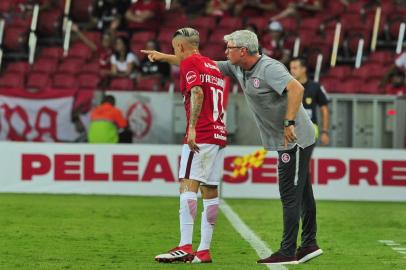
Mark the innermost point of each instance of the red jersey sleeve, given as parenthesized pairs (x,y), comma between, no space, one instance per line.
(190,74)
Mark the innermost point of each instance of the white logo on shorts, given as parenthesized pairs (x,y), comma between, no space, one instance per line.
(256,82)
(191,77)
(285,157)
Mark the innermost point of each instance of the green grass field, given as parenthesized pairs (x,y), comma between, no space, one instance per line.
(113,232)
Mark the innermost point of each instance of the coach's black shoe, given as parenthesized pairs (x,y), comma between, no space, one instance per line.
(278,258)
(307,253)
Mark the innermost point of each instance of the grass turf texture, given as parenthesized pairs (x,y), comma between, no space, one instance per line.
(113,232)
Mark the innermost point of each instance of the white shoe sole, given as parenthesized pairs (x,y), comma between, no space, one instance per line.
(291,262)
(310,256)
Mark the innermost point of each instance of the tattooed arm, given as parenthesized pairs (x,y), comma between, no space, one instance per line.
(196,102)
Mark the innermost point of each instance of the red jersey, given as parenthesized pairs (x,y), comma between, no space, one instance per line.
(197,70)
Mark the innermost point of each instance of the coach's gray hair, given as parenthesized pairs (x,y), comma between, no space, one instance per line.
(190,34)
(244,38)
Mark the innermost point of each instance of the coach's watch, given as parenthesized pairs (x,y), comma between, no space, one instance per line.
(287,123)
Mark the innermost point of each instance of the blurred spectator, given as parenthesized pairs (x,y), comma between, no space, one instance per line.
(277,47)
(123,61)
(26,6)
(107,14)
(396,76)
(257,8)
(143,15)
(193,8)
(103,52)
(105,122)
(160,70)
(222,8)
(300,9)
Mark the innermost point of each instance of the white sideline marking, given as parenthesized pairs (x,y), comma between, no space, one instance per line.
(260,247)
(397,249)
(400,250)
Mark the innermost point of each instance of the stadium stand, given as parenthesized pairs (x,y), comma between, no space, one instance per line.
(316,34)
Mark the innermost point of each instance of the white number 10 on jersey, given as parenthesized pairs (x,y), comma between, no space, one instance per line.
(218,111)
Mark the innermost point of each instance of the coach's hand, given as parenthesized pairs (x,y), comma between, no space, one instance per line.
(153,55)
(191,140)
(290,135)
(324,138)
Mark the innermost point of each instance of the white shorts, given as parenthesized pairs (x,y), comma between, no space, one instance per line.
(205,166)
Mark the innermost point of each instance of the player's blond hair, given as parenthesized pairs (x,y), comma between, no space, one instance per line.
(191,35)
(244,38)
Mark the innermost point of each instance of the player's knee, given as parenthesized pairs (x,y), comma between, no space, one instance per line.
(209,192)
(187,185)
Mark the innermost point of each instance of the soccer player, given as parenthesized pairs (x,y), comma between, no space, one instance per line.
(202,157)
(314,96)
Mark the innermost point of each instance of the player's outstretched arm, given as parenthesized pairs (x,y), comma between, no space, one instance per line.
(163,57)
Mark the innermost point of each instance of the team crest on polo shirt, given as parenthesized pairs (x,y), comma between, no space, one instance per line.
(285,157)
(255,82)
(191,77)
(308,100)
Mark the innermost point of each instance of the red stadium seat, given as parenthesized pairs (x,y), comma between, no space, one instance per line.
(121,84)
(50,22)
(371,87)
(260,22)
(230,23)
(37,81)
(215,51)
(353,40)
(340,72)
(64,81)
(80,50)
(24,22)
(312,55)
(151,84)
(394,27)
(382,57)
(90,68)
(350,86)
(52,52)
(19,67)
(15,38)
(331,84)
(165,35)
(45,65)
(94,36)
(218,35)
(203,22)
(80,10)
(376,72)
(12,80)
(310,24)
(175,20)
(289,25)
(142,37)
(5,6)
(88,81)
(70,65)
(335,8)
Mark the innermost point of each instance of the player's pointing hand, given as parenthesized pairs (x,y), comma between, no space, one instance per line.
(152,55)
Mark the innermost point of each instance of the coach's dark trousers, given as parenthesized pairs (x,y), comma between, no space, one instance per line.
(297,198)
